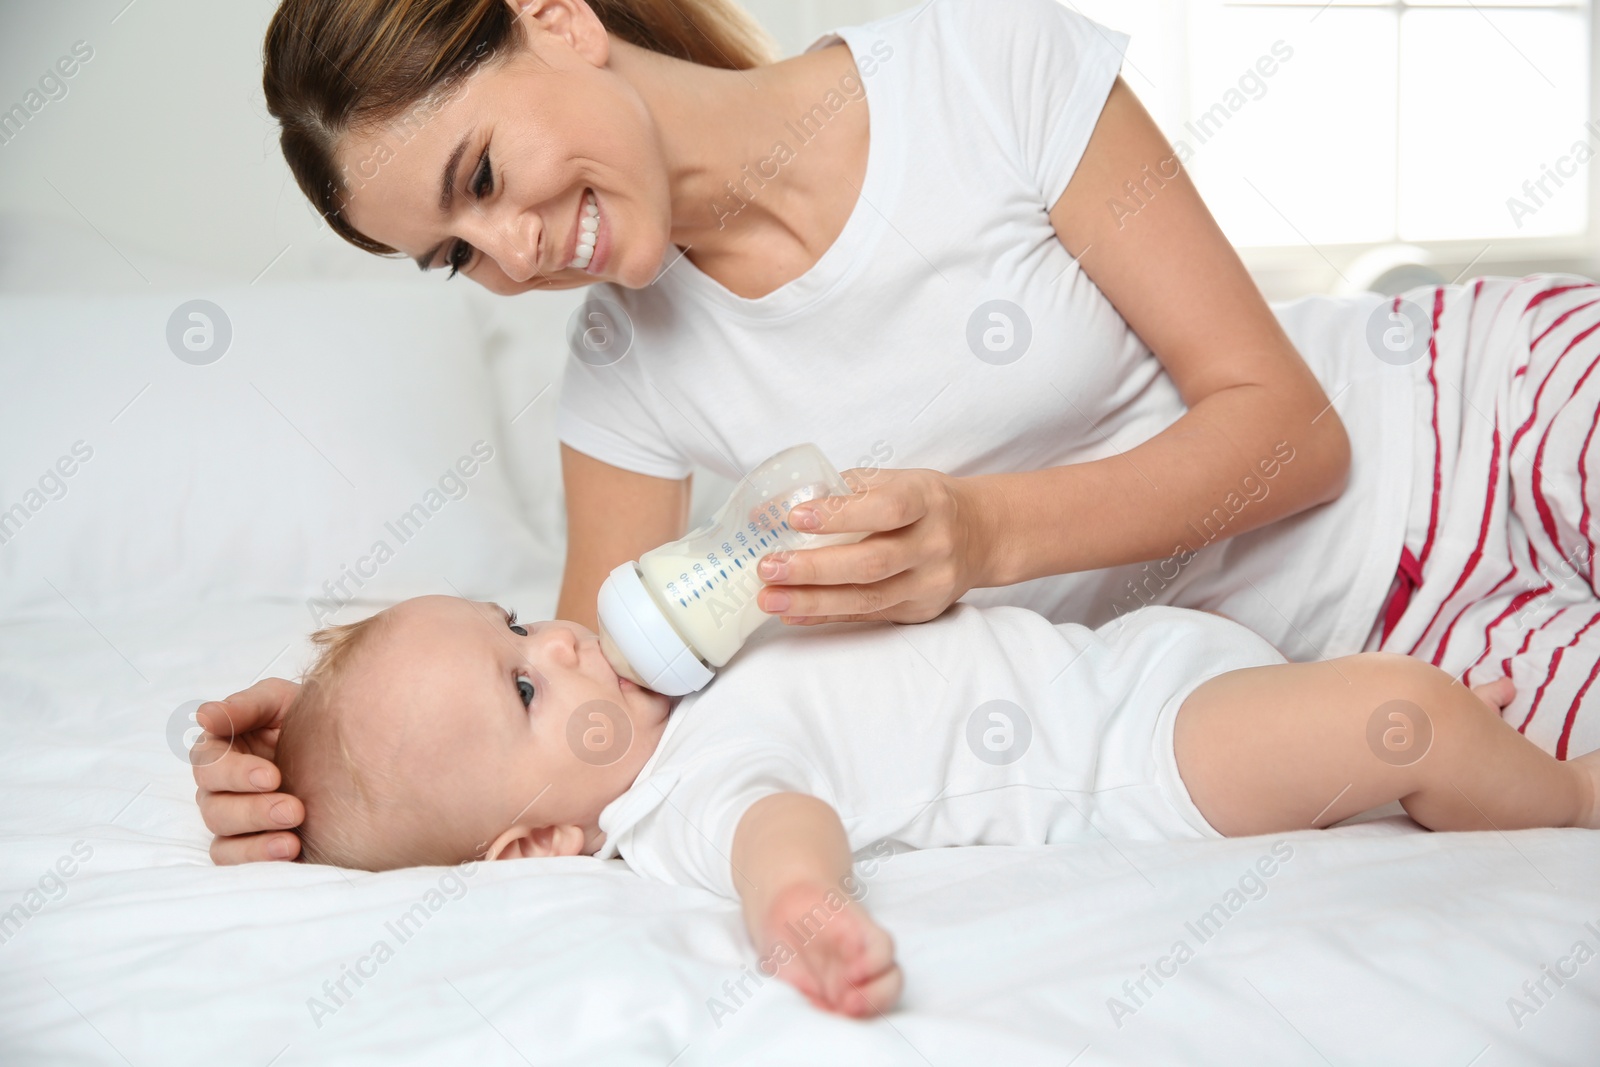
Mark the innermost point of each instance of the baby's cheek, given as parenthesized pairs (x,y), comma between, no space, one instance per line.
(599,733)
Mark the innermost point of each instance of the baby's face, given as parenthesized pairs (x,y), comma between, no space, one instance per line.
(491,728)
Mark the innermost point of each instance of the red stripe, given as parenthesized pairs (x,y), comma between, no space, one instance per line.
(1540,298)
(1438,450)
(1444,642)
(1477,551)
(1583,491)
(1563,317)
(1505,664)
(1572,712)
(1516,602)
(1555,664)
(1546,516)
(1539,395)
(1520,599)
(1408,579)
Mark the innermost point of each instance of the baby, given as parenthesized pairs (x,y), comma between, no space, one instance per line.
(442,729)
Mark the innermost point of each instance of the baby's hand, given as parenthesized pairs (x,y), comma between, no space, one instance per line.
(840,959)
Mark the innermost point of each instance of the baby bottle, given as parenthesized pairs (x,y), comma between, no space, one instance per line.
(671,618)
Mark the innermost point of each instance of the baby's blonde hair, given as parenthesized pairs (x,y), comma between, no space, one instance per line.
(314,758)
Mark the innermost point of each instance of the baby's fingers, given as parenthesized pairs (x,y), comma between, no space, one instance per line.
(1497,694)
(872,955)
(878,995)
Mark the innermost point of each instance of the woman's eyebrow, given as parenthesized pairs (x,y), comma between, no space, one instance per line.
(447,179)
(447,192)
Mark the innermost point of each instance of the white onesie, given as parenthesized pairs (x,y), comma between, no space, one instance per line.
(985,726)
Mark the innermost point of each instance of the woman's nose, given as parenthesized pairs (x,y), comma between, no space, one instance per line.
(512,241)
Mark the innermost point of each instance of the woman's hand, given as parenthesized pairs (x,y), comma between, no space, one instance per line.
(932,540)
(234,770)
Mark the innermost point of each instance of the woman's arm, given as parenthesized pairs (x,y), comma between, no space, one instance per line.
(1172,275)
(613,515)
(791,865)
(1260,440)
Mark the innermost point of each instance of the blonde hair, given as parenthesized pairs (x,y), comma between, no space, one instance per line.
(335,66)
(313,755)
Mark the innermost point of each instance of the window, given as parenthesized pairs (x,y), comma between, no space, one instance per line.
(1439,123)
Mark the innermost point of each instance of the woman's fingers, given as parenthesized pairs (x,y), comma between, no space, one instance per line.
(254,848)
(883,500)
(872,559)
(228,814)
(920,555)
(901,598)
(223,768)
(263,704)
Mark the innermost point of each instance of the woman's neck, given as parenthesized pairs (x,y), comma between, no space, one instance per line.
(731,189)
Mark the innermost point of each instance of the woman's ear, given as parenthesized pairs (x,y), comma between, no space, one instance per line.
(520,842)
(574,22)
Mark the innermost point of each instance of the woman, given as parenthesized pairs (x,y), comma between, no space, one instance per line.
(950,246)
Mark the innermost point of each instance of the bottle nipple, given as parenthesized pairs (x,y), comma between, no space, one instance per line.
(618,661)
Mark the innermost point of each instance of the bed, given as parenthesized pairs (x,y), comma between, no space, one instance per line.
(228,503)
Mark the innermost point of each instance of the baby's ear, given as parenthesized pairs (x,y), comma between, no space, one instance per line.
(520,842)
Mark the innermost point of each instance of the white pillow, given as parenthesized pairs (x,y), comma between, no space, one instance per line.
(314,441)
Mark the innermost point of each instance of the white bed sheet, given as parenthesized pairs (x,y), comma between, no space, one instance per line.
(1375,943)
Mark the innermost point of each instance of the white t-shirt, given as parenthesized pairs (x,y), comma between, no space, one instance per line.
(888,353)
(985,726)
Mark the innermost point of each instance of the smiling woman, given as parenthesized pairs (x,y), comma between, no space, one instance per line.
(372,96)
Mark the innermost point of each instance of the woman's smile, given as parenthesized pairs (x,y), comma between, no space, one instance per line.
(585,232)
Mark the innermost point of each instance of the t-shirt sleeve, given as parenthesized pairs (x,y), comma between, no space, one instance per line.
(1049,70)
(603,410)
(687,839)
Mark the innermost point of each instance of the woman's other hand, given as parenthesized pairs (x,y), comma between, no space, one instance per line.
(931,537)
(233,768)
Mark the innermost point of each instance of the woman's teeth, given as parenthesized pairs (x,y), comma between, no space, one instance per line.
(590,225)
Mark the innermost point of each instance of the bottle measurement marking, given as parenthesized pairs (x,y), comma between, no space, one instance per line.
(710,583)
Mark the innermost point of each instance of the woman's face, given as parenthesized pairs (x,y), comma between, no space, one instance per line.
(536,131)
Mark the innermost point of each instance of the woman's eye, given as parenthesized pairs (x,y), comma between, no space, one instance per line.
(483,181)
(460,256)
(525,690)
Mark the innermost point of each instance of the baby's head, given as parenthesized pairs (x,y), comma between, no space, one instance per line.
(440,730)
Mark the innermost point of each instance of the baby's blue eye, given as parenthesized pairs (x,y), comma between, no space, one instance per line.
(525,689)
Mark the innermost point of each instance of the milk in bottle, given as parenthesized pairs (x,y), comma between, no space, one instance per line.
(670,619)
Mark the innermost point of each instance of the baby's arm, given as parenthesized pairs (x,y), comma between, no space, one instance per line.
(791,865)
